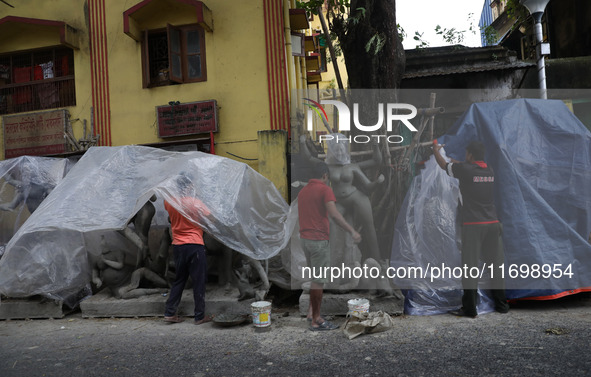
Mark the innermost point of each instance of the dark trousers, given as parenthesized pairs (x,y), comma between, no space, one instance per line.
(483,241)
(189,260)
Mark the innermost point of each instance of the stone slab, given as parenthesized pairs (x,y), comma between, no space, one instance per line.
(217,301)
(30,308)
(336,304)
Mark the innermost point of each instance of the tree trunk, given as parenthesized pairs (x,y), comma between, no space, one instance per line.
(375,66)
(371,70)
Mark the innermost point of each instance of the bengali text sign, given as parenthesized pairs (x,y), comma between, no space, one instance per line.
(187,118)
(34,134)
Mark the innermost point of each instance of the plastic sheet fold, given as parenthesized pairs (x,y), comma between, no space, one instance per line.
(106,188)
(541,154)
(426,237)
(24,183)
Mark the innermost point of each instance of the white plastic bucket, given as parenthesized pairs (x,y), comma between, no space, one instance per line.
(261,313)
(358,306)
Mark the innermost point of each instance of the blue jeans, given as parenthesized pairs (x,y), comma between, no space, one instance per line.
(189,260)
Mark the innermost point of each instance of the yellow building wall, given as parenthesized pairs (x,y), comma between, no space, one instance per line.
(272,158)
(236,72)
(329,77)
(236,78)
(19,39)
(324,88)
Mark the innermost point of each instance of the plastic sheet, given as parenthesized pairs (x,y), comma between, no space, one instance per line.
(338,150)
(24,183)
(541,154)
(426,235)
(49,253)
(425,231)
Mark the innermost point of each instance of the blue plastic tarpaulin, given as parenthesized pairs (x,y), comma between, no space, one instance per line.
(541,155)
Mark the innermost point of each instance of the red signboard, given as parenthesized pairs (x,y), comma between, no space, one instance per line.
(34,134)
(187,118)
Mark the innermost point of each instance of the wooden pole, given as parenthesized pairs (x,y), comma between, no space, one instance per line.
(333,55)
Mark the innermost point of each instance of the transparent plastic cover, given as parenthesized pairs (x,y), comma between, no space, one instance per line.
(103,191)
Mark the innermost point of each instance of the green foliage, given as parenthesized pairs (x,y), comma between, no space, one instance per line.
(401,32)
(375,44)
(516,10)
(361,12)
(336,46)
(312,6)
(472,27)
(491,36)
(338,51)
(354,19)
(421,42)
(339,9)
(452,36)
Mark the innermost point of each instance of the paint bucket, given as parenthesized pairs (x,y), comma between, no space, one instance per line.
(261,313)
(358,306)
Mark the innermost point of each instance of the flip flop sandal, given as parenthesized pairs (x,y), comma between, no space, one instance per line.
(203,320)
(325,326)
(173,319)
(310,319)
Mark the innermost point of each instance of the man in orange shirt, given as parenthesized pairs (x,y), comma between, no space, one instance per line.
(188,250)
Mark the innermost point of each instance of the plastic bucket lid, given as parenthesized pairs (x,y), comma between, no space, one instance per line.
(359,305)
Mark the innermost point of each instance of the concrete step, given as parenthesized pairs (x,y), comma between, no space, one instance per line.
(30,308)
(217,300)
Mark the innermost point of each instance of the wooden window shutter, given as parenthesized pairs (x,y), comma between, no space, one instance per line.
(146,59)
(174,54)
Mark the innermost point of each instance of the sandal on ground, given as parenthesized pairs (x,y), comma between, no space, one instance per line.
(173,319)
(310,319)
(324,326)
(203,320)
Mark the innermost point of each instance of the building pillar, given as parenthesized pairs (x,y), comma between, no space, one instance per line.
(273,158)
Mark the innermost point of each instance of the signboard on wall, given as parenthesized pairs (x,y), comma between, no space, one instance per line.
(34,134)
(187,118)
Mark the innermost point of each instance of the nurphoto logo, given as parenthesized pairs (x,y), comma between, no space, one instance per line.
(389,116)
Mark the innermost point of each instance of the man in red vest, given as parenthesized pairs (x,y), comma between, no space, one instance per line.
(316,202)
(481,229)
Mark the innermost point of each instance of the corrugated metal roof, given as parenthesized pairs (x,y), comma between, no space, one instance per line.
(466,68)
(448,60)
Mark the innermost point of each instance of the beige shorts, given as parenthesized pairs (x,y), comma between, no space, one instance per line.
(318,258)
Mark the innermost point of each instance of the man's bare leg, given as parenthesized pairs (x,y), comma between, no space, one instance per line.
(315,303)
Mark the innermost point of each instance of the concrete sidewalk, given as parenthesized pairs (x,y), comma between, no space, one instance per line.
(533,339)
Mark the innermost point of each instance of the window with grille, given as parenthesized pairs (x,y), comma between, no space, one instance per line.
(174,55)
(37,80)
